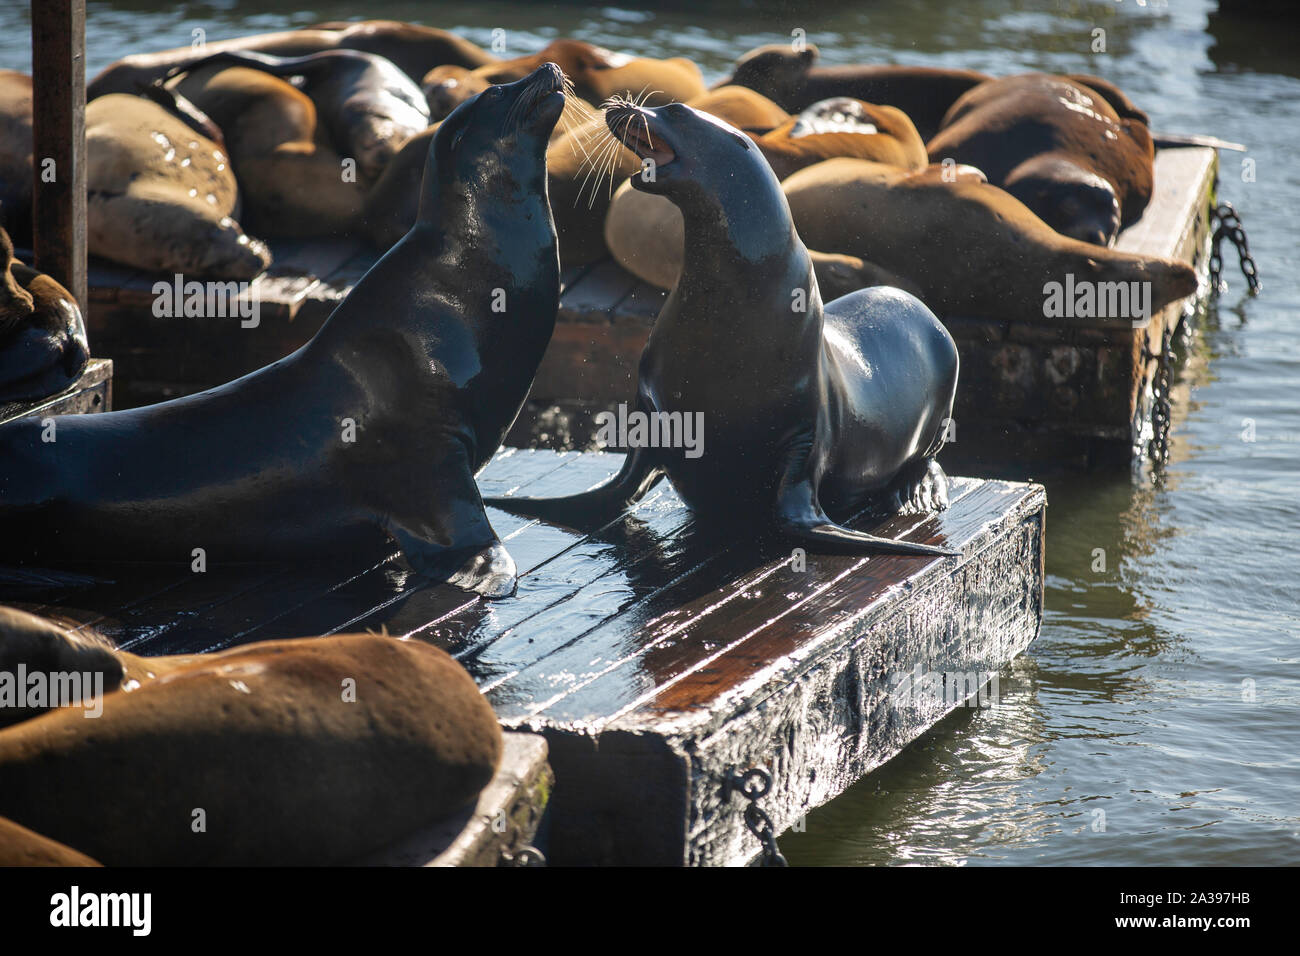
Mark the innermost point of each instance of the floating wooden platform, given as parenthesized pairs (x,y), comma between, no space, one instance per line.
(92,392)
(654,658)
(1030,395)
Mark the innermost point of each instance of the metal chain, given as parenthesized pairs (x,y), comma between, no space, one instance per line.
(753,785)
(1162,404)
(523,856)
(1229,224)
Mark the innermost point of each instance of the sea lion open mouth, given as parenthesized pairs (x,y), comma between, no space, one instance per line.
(631,126)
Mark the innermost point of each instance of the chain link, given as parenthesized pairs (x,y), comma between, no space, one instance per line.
(1229,225)
(1162,403)
(753,785)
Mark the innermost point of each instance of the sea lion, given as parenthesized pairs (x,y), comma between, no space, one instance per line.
(43,346)
(596,74)
(973,249)
(790,78)
(162,197)
(811,413)
(311,751)
(415,49)
(20,846)
(843,126)
(367,104)
(373,429)
(1056,145)
(290,175)
(645,235)
(16,169)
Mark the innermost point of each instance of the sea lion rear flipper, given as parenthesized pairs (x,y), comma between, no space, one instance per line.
(596,507)
(800,519)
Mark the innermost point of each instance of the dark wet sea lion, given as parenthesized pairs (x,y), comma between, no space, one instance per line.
(789,77)
(373,429)
(596,73)
(20,846)
(43,347)
(973,249)
(1059,147)
(367,104)
(162,197)
(415,49)
(809,413)
(290,175)
(267,747)
(16,168)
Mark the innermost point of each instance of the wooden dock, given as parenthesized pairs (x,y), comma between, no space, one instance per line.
(656,660)
(1030,395)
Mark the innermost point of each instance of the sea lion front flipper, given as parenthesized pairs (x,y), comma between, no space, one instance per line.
(595,507)
(455,542)
(800,519)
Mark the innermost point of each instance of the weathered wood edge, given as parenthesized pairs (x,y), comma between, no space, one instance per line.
(505,818)
(92,392)
(830,723)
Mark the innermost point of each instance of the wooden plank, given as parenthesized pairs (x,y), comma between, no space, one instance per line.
(59,135)
(92,392)
(502,823)
(596,295)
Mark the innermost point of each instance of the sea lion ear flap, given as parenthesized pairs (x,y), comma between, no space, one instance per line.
(809,54)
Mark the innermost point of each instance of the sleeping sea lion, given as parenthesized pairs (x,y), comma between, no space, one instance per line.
(162,197)
(1056,145)
(973,249)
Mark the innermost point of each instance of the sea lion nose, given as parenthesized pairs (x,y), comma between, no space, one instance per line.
(549,73)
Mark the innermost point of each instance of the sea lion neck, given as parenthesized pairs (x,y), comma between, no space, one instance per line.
(740,224)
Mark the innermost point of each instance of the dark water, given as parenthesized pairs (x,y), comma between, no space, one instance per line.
(1157,718)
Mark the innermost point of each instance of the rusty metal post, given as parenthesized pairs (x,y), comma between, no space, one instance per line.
(59,135)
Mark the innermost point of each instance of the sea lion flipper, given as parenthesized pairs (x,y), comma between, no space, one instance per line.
(801,519)
(454,541)
(599,505)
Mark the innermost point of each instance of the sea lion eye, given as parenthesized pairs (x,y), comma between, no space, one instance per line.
(459,135)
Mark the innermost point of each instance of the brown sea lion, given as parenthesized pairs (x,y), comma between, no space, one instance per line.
(645,235)
(43,346)
(789,77)
(16,167)
(20,846)
(973,249)
(413,48)
(291,177)
(843,127)
(162,197)
(596,74)
(296,752)
(1056,145)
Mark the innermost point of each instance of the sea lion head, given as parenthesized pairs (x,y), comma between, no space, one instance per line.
(447,86)
(1072,200)
(775,70)
(684,152)
(482,143)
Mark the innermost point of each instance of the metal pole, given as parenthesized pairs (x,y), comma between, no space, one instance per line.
(59,136)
